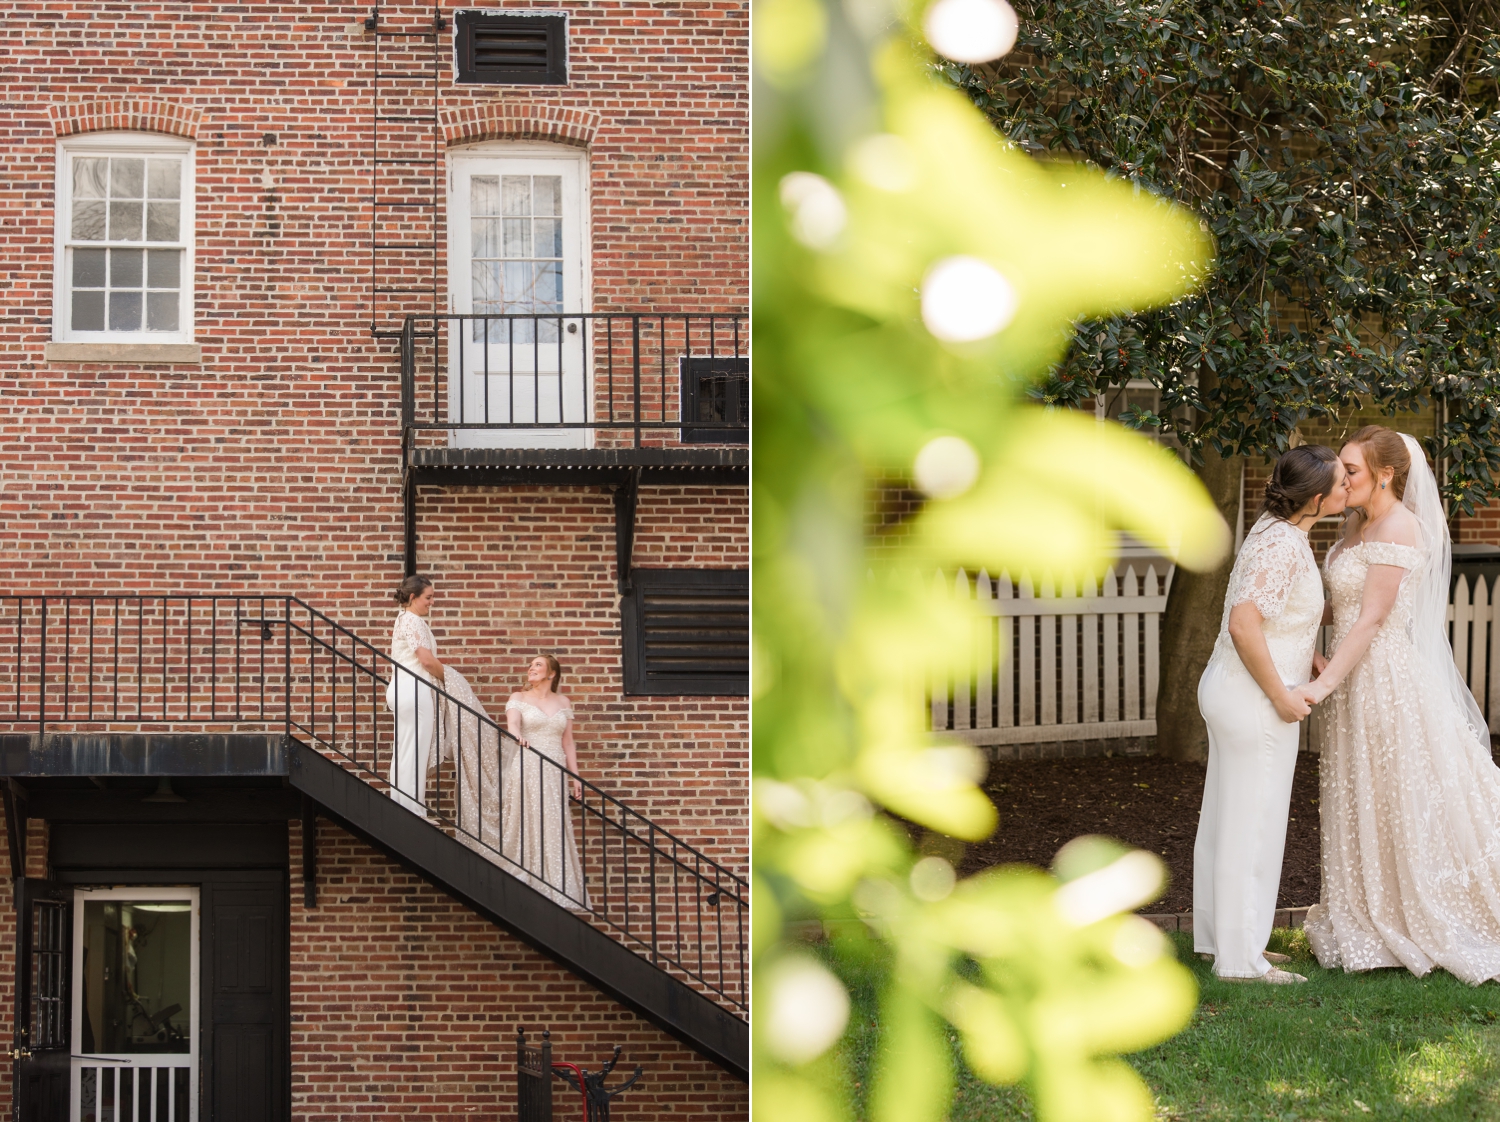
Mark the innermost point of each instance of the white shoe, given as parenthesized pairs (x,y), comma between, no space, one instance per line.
(1272,977)
(1273,958)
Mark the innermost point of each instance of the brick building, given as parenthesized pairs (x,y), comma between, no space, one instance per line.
(302,300)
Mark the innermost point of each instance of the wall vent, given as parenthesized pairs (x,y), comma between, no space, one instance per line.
(687,632)
(511,50)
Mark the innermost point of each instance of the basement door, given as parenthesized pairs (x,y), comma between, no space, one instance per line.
(516,243)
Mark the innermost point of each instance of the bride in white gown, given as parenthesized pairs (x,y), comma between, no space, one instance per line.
(1410,797)
(536,818)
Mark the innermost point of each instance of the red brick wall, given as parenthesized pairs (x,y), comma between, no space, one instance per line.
(274,465)
(405,1004)
(1481,528)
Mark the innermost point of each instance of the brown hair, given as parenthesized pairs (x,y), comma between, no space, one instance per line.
(556,668)
(410,589)
(1299,476)
(1383,448)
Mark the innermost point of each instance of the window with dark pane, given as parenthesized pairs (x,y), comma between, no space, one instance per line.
(715,400)
(125,245)
(516,250)
(511,49)
(687,632)
(49,966)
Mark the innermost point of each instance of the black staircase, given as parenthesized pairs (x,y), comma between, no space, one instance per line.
(269,685)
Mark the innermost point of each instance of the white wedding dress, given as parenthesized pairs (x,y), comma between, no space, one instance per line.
(536,819)
(1410,798)
(1252,752)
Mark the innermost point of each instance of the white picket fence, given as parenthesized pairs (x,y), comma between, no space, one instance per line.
(1068,660)
(1076,660)
(1473,614)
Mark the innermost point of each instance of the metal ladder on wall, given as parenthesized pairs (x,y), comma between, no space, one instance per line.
(406,172)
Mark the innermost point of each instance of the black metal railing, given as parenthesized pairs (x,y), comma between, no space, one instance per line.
(610,380)
(233,663)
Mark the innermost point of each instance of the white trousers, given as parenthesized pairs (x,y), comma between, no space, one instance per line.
(413,702)
(1252,754)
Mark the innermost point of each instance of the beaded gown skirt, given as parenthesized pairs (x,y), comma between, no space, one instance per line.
(1410,803)
(513,802)
(536,829)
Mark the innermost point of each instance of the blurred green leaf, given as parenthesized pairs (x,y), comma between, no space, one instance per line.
(915,278)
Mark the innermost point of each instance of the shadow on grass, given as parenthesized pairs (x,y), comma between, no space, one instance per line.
(1363,1047)
(1380,1045)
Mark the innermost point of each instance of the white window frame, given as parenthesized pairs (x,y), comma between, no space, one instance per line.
(142,894)
(497,154)
(118,144)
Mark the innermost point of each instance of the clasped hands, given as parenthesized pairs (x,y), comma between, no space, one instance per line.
(1298,701)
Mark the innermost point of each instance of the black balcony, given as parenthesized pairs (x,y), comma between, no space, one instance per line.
(609,399)
(587,389)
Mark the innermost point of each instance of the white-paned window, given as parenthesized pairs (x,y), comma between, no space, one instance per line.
(124,262)
(516,250)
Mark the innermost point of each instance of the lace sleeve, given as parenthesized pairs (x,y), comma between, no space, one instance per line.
(1267,568)
(512,704)
(1393,553)
(408,630)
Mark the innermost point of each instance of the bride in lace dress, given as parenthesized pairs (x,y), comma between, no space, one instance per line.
(536,820)
(1246,695)
(1410,798)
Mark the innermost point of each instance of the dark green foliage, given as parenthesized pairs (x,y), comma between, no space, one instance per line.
(1345,157)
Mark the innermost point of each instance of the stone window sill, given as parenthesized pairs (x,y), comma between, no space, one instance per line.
(124,352)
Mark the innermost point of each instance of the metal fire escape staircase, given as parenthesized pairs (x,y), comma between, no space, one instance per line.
(261,689)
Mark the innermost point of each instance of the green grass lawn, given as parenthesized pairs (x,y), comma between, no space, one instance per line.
(1382,1045)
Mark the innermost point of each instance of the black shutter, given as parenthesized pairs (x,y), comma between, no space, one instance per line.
(44,1007)
(511,50)
(715,400)
(687,632)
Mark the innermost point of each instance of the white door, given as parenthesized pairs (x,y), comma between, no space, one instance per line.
(135,1005)
(517,248)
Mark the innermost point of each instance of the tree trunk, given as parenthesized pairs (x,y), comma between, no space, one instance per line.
(1191,624)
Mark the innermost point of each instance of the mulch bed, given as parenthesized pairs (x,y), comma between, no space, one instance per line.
(1144,801)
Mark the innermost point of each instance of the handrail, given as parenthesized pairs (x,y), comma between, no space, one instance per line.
(172,660)
(611,377)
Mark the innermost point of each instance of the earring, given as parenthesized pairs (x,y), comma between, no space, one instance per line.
(1382,486)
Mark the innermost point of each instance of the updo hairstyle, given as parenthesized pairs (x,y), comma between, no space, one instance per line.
(1301,474)
(410,589)
(1384,448)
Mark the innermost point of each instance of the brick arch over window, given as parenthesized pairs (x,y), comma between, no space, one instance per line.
(136,114)
(501,121)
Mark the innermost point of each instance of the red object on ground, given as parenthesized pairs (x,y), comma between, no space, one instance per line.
(582,1089)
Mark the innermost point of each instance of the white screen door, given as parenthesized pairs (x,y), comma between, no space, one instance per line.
(135,1005)
(516,239)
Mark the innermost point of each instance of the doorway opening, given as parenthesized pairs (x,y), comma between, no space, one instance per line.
(135,1004)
